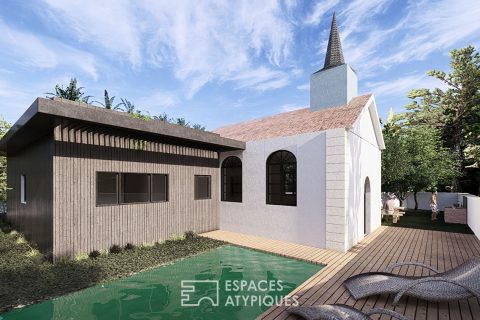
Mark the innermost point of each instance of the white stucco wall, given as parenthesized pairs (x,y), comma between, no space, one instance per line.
(364,161)
(333,87)
(304,223)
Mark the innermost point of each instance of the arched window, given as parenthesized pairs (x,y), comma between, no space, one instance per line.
(232,179)
(282,178)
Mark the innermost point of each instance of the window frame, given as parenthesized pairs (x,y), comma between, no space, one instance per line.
(285,199)
(209,197)
(23,188)
(167,188)
(118,188)
(223,173)
(117,185)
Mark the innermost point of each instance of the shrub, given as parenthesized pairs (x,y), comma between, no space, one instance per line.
(94,254)
(148,244)
(20,240)
(32,253)
(189,235)
(129,246)
(81,256)
(177,237)
(115,249)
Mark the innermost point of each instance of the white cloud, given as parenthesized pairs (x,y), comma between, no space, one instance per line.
(260,79)
(304,87)
(156,102)
(201,43)
(109,24)
(427,27)
(223,41)
(31,51)
(291,107)
(401,86)
(319,11)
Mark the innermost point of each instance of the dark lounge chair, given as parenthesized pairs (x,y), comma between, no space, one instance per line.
(461,282)
(339,312)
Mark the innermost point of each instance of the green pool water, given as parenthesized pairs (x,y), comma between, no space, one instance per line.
(248,283)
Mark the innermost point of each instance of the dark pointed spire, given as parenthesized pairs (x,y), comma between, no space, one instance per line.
(334,56)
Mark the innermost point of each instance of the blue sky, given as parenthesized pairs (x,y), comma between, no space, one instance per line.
(221,62)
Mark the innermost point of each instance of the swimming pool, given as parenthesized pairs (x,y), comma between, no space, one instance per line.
(226,283)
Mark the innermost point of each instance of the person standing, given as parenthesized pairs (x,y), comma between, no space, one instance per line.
(434,206)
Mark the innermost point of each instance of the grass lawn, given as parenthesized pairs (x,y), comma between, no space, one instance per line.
(26,276)
(421,219)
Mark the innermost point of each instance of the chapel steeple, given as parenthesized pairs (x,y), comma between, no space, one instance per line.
(336,83)
(334,56)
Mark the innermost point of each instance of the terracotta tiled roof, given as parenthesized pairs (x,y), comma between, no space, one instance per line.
(296,122)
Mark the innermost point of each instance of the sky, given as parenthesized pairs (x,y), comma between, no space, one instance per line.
(222,62)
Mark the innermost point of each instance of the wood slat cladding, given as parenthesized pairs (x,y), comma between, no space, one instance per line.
(80,225)
(75,132)
(34,218)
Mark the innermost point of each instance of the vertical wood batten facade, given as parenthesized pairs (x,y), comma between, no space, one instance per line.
(80,151)
(34,218)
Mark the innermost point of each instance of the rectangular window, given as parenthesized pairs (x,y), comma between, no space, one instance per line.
(202,187)
(107,188)
(159,187)
(23,188)
(134,187)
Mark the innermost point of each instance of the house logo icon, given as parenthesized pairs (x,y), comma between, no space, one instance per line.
(194,292)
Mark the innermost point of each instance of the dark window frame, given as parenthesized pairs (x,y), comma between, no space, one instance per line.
(23,188)
(228,187)
(121,187)
(286,164)
(195,193)
(167,187)
(118,188)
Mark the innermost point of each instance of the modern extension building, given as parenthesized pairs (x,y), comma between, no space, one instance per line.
(84,178)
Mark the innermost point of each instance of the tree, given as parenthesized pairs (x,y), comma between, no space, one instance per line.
(414,160)
(128,106)
(108,102)
(4,127)
(179,121)
(455,111)
(71,92)
(198,126)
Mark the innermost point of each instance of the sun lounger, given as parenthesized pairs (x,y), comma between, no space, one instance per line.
(461,282)
(339,312)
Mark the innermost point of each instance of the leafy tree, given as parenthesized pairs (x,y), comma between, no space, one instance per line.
(414,160)
(455,111)
(182,122)
(108,102)
(4,127)
(71,92)
(128,106)
(198,127)
(162,117)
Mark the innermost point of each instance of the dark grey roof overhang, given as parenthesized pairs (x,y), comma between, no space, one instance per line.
(41,117)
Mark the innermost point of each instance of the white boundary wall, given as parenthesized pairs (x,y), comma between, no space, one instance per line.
(444,199)
(473,212)
(447,199)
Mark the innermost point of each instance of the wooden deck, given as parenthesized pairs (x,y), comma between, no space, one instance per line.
(385,246)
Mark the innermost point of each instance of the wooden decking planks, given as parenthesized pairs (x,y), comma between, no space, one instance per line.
(387,245)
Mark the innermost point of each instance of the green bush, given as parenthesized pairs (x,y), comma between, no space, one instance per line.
(94,254)
(129,246)
(27,277)
(189,235)
(115,249)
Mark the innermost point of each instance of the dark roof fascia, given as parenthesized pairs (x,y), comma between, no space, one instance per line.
(43,112)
